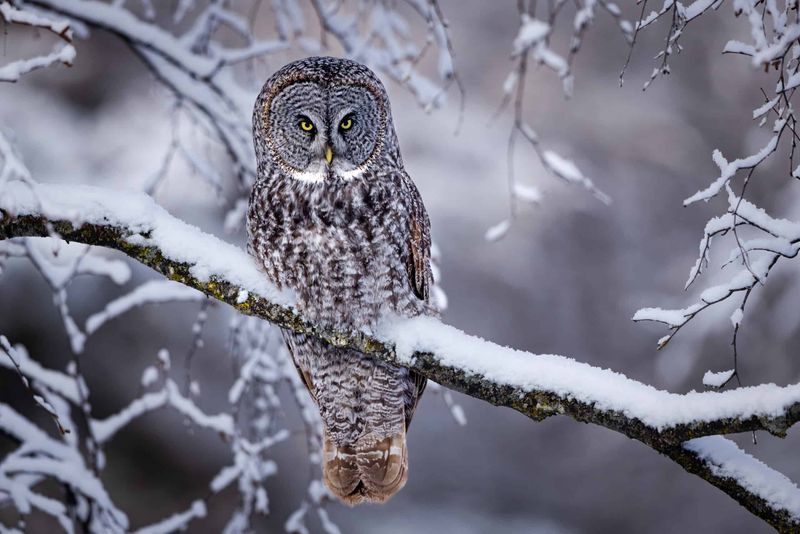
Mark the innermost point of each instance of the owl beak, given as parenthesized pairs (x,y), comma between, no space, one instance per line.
(328,154)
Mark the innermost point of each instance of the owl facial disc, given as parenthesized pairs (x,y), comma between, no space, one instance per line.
(320,131)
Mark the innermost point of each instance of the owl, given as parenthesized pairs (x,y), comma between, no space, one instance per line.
(334,217)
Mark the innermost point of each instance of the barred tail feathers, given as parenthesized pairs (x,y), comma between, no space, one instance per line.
(370,471)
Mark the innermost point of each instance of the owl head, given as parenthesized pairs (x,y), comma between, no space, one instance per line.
(322,119)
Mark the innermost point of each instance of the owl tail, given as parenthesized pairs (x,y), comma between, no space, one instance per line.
(370,471)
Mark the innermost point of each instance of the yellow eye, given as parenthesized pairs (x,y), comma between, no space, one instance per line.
(346,123)
(306,125)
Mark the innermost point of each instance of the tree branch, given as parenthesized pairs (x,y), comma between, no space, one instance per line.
(536,385)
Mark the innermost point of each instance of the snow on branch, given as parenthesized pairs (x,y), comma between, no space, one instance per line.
(728,464)
(191,64)
(39,457)
(63,53)
(536,385)
(759,240)
(779,238)
(44,456)
(532,43)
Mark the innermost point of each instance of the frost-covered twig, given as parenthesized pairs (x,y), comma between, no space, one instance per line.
(192,64)
(760,240)
(680,16)
(47,457)
(40,456)
(532,43)
(203,70)
(767,493)
(11,165)
(385,44)
(14,355)
(780,239)
(537,385)
(63,53)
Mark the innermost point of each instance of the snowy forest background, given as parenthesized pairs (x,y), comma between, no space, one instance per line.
(565,279)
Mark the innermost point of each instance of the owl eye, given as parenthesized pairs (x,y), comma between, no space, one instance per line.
(346,123)
(306,125)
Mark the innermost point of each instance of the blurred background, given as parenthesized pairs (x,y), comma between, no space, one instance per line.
(566,279)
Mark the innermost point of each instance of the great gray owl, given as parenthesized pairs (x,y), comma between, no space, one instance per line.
(334,217)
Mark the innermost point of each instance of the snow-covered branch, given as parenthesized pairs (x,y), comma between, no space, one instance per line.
(532,44)
(536,385)
(759,239)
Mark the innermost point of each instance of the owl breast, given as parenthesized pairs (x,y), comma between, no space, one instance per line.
(342,249)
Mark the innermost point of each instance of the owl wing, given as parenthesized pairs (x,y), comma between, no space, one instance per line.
(291,339)
(418,265)
(418,262)
(419,259)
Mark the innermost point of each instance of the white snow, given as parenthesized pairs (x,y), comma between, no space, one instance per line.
(296,521)
(778,237)
(56,381)
(778,47)
(527,193)
(669,317)
(170,394)
(569,172)
(606,389)
(45,456)
(498,230)
(176,522)
(105,429)
(757,269)
(151,226)
(728,460)
(736,317)
(149,376)
(15,70)
(328,526)
(458,414)
(737,47)
(126,23)
(63,52)
(511,82)
(531,31)
(696,8)
(117,270)
(782,238)
(11,14)
(149,292)
(764,108)
(784,228)
(729,169)
(164,359)
(69,474)
(716,380)
(222,423)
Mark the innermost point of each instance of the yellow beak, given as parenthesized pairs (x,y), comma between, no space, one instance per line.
(328,153)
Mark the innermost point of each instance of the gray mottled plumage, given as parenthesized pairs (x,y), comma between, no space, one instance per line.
(334,217)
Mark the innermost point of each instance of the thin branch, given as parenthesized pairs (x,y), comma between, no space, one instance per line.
(8,351)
